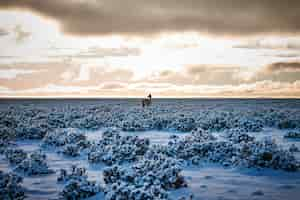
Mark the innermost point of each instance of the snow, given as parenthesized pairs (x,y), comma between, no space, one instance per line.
(175,149)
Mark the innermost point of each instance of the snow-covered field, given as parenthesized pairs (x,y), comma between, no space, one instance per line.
(175,149)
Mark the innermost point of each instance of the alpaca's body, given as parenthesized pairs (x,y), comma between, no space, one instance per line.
(147,101)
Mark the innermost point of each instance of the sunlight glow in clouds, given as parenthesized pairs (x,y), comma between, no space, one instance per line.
(47,55)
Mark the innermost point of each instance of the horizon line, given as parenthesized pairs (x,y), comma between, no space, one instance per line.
(139,97)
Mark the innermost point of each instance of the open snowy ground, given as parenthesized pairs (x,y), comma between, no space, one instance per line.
(225,127)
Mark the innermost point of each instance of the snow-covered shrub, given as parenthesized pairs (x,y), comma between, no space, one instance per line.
(76,184)
(200,135)
(149,178)
(183,124)
(4,145)
(15,156)
(61,137)
(55,138)
(35,164)
(27,131)
(292,134)
(124,190)
(76,173)
(267,153)
(287,124)
(161,123)
(10,187)
(162,168)
(91,122)
(6,134)
(251,125)
(196,144)
(238,135)
(243,150)
(71,150)
(114,148)
(133,125)
(217,123)
(294,148)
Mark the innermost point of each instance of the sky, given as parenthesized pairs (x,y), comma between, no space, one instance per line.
(171,48)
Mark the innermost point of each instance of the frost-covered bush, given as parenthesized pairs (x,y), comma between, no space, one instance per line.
(33,121)
(221,152)
(196,144)
(267,153)
(183,124)
(7,134)
(10,187)
(149,178)
(251,125)
(124,190)
(160,123)
(133,125)
(15,156)
(238,135)
(160,167)
(292,134)
(76,173)
(35,164)
(71,150)
(287,124)
(61,137)
(242,151)
(294,148)
(91,121)
(200,135)
(28,131)
(76,184)
(214,123)
(55,138)
(3,146)
(114,148)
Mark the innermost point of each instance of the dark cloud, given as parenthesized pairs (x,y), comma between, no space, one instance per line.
(219,75)
(3,32)
(283,67)
(288,72)
(200,74)
(228,17)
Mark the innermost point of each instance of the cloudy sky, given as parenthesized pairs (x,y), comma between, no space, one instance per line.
(171,48)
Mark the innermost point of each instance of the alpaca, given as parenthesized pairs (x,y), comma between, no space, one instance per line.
(147,101)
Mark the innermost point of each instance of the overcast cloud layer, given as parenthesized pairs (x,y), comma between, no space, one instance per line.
(217,17)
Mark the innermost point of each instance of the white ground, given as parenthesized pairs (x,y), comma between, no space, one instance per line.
(206,181)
